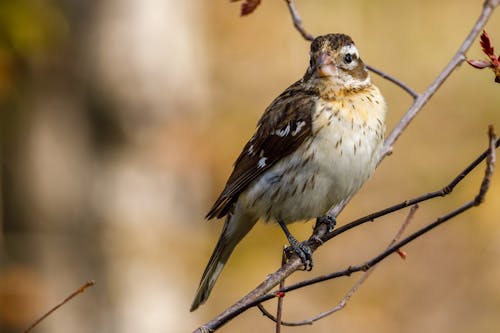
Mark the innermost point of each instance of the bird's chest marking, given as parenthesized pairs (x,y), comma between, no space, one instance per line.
(330,164)
(350,124)
(348,133)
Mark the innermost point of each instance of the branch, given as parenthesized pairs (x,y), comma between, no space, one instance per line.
(297,21)
(279,311)
(350,293)
(392,79)
(80,290)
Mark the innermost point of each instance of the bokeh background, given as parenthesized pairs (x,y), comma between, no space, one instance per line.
(119,124)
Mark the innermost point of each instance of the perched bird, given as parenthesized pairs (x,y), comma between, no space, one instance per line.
(314,146)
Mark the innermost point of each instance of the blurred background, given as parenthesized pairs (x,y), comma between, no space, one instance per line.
(119,124)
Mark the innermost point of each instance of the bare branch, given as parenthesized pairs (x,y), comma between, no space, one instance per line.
(391,78)
(78,291)
(350,293)
(279,311)
(273,318)
(490,165)
(297,21)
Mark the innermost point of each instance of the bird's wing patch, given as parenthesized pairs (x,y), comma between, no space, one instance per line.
(284,126)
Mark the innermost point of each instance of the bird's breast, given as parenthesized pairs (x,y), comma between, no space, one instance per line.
(330,165)
(347,136)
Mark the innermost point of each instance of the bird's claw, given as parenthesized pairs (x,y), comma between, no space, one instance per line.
(318,240)
(328,220)
(303,252)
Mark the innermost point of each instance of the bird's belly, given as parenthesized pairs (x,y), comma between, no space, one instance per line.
(322,173)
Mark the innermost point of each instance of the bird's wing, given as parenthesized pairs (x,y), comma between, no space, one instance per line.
(284,126)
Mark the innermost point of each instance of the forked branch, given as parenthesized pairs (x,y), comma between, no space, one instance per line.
(350,293)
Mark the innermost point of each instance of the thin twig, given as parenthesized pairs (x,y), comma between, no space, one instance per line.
(490,165)
(279,310)
(297,21)
(78,291)
(350,293)
(392,79)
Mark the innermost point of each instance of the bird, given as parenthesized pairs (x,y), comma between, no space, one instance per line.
(314,146)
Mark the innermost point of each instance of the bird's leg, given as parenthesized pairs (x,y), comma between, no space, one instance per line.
(301,249)
(330,222)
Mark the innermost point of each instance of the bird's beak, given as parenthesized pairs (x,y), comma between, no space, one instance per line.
(326,65)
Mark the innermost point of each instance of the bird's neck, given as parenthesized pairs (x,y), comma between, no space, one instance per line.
(334,89)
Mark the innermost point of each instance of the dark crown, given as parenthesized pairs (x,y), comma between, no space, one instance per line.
(331,41)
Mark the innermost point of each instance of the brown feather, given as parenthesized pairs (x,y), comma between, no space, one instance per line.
(291,109)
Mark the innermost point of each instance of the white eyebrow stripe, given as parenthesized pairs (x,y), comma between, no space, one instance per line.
(350,49)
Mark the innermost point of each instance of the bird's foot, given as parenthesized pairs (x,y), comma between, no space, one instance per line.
(301,249)
(317,239)
(328,220)
(303,252)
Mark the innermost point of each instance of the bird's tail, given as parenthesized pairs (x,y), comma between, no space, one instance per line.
(235,228)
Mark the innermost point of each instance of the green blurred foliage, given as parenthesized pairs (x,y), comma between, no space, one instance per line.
(31,27)
(29,30)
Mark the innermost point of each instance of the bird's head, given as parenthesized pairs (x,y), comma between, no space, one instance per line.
(335,59)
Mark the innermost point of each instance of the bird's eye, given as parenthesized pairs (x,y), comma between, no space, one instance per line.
(348,58)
